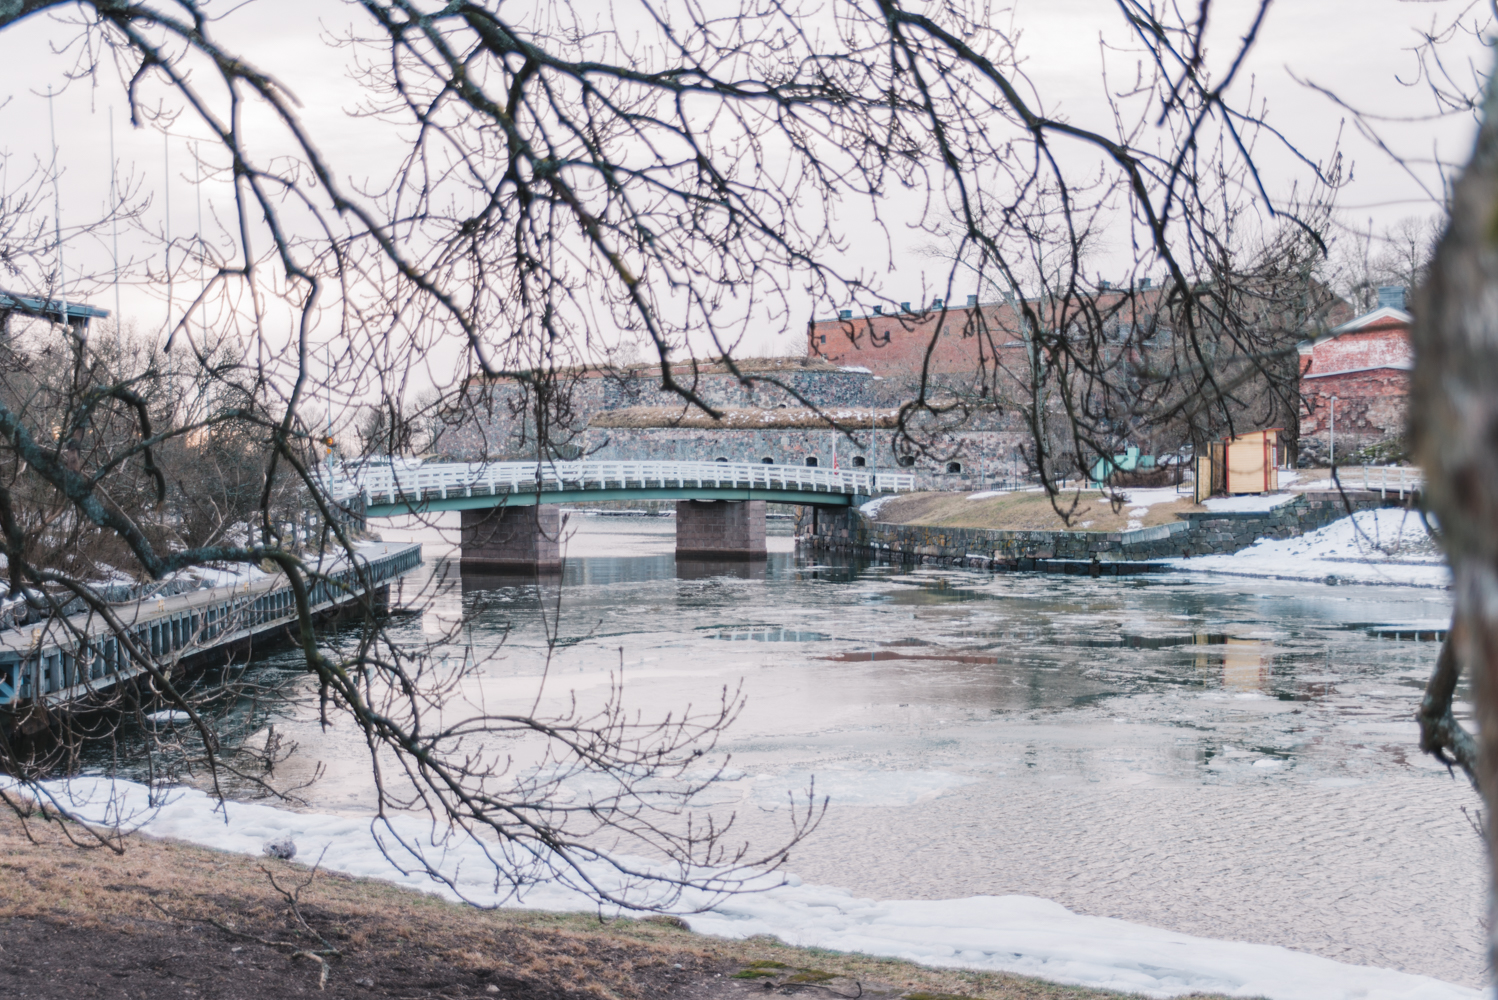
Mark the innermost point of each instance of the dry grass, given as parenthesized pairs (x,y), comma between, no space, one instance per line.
(165,883)
(1027,511)
(1032,511)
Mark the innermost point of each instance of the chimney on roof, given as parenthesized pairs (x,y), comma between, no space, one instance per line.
(1106,285)
(1391,297)
(845,314)
(972,300)
(1144,282)
(905,307)
(937,303)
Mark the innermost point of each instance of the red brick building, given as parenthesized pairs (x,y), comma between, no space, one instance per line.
(894,344)
(1365,366)
(898,343)
(956,345)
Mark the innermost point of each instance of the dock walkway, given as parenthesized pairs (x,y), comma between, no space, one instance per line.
(58,662)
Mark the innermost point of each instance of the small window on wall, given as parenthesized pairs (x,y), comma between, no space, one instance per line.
(954,466)
(767,460)
(858,462)
(720,458)
(811,461)
(906,461)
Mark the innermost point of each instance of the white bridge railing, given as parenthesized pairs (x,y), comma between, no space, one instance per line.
(1386,479)
(402,483)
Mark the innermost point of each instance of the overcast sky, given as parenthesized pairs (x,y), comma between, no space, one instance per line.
(1358,47)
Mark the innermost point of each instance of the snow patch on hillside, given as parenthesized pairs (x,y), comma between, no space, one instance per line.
(1388,546)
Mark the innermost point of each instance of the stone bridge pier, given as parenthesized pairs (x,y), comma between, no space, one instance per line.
(720,530)
(525,540)
(511,540)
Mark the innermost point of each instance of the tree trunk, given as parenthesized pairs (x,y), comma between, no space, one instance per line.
(1454,428)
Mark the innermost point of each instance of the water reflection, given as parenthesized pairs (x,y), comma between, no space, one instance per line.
(482,583)
(770,633)
(702,569)
(1245,664)
(1152,641)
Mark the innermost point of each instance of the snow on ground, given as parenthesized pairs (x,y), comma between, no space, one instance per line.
(1139,502)
(987,494)
(1248,503)
(235,574)
(1020,934)
(871,509)
(1372,546)
(1152,496)
(168,716)
(226,575)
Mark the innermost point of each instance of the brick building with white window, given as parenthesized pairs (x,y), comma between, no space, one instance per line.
(1355,384)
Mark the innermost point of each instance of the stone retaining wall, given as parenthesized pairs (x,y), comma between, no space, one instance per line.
(1205,533)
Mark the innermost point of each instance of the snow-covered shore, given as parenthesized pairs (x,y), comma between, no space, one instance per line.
(1020,934)
(1388,546)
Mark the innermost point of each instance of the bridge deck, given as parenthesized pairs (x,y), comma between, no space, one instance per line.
(48,662)
(396,488)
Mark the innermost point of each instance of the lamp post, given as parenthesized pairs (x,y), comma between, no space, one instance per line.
(1332,450)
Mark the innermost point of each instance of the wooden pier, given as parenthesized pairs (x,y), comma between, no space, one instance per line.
(57,664)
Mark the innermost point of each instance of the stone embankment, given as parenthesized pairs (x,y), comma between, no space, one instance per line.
(1106,552)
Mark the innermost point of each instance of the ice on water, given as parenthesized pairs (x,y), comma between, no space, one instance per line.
(1160,784)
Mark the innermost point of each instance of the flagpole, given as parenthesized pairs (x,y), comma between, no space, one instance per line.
(166,197)
(114,213)
(62,294)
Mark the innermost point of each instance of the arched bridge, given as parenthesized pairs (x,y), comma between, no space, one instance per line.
(390,488)
(509,509)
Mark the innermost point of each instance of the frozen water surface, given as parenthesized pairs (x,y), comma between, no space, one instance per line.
(1220,757)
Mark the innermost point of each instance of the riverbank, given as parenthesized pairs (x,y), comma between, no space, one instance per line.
(1007,935)
(1032,510)
(1207,538)
(1379,547)
(170,917)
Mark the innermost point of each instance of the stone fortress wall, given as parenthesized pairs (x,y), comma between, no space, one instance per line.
(858,371)
(625,415)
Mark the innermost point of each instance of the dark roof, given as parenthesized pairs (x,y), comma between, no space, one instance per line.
(38,307)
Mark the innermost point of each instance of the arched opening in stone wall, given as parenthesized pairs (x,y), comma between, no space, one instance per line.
(954,466)
(720,458)
(767,460)
(858,462)
(811,461)
(906,461)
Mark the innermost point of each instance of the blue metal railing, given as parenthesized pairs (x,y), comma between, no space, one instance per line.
(58,664)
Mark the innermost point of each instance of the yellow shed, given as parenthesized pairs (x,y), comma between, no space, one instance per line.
(1248,463)
(1253,462)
